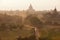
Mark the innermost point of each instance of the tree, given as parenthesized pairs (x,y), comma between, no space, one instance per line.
(33,21)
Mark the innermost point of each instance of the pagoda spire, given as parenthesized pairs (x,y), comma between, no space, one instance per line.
(30,8)
(55,10)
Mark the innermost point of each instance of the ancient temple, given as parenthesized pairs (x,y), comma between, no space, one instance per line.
(52,17)
(30,8)
(55,12)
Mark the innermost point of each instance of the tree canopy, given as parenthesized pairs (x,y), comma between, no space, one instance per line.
(33,21)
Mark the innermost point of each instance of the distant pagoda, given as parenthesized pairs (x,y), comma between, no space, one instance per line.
(30,8)
(55,11)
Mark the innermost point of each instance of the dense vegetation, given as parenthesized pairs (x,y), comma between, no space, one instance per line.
(12,28)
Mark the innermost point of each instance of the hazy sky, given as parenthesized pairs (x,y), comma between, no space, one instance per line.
(24,4)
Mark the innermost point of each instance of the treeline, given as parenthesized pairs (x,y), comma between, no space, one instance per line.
(8,22)
(13,23)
